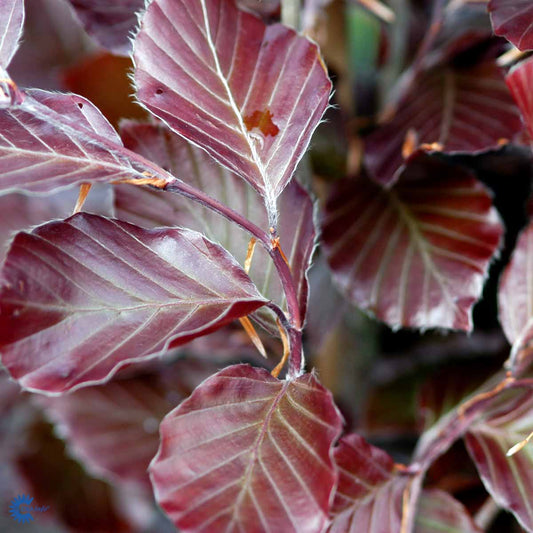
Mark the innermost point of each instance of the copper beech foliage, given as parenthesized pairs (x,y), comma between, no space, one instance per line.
(512,19)
(202,215)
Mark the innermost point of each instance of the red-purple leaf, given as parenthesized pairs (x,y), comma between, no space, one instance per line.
(54,140)
(124,415)
(509,480)
(247,452)
(21,212)
(461,109)
(110,23)
(11,22)
(249,94)
(516,301)
(264,8)
(415,255)
(438,512)
(84,296)
(520,83)
(371,493)
(151,208)
(513,19)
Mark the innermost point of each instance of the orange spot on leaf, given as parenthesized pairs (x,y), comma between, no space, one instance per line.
(262,120)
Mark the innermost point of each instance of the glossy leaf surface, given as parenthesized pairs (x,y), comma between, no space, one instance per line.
(247,452)
(415,255)
(513,19)
(54,140)
(438,512)
(83,296)
(110,23)
(516,300)
(150,208)
(11,22)
(463,110)
(508,479)
(249,94)
(520,82)
(371,491)
(123,414)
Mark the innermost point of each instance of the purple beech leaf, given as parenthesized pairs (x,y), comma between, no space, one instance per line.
(151,208)
(109,23)
(371,491)
(21,212)
(415,255)
(54,140)
(461,109)
(123,414)
(513,19)
(11,23)
(249,94)
(520,83)
(247,452)
(82,297)
(263,8)
(509,480)
(439,512)
(516,302)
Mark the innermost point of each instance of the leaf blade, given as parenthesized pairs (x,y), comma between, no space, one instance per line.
(109,24)
(371,492)
(274,435)
(88,295)
(508,479)
(512,19)
(11,23)
(213,84)
(435,226)
(51,141)
(463,110)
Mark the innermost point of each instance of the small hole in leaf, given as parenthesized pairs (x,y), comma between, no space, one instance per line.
(80,105)
(159,91)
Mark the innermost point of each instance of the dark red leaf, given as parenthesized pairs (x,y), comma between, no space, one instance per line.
(54,140)
(461,109)
(509,480)
(249,94)
(371,493)
(513,19)
(124,415)
(247,452)
(110,23)
(21,212)
(520,83)
(415,255)
(82,297)
(11,22)
(516,301)
(264,8)
(150,208)
(439,512)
